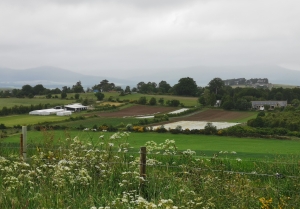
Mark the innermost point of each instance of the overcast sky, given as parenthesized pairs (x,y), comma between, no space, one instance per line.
(123,35)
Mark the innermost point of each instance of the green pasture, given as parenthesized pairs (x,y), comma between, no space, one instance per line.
(283,86)
(89,122)
(23,120)
(10,102)
(187,101)
(204,145)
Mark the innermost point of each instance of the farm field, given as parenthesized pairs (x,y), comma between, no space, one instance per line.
(217,115)
(137,110)
(126,115)
(208,145)
(13,120)
(77,168)
(10,102)
(85,174)
(187,101)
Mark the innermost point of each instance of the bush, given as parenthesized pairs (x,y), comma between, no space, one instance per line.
(210,129)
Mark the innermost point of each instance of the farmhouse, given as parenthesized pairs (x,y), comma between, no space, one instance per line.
(75,107)
(259,105)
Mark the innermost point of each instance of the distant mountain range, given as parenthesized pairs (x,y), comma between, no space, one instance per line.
(52,77)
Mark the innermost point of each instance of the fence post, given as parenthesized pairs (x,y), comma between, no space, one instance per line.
(21,145)
(24,144)
(142,169)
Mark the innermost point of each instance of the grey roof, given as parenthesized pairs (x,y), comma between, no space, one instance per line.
(281,103)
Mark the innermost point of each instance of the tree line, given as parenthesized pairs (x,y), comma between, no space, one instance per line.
(231,98)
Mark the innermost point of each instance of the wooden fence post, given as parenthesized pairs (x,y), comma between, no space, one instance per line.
(24,144)
(143,153)
(21,145)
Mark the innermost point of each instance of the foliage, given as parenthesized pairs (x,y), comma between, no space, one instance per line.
(215,84)
(142,100)
(100,96)
(63,95)
(186,87)
(210,129)
(77,88)
(104,86)
(152,101)
(228,105)
(173,103)
(104,173)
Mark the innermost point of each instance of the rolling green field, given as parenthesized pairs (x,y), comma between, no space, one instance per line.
(23,120)
(204,145)
(10,102)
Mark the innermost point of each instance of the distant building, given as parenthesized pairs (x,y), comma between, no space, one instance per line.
(259,105)
(75,107)
(218,103)
(51,111)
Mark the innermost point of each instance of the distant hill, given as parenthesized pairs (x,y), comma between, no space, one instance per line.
(52,77)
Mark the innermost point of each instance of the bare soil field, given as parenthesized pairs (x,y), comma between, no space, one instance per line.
(213,115)
(138,110)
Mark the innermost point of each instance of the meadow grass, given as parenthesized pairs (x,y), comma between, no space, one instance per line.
(10,102)
(24,120)
(187,101)
(203,145)
(72,173)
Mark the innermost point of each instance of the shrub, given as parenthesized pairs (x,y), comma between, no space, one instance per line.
(210,129)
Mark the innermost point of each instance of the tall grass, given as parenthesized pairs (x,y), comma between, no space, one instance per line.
(104,172)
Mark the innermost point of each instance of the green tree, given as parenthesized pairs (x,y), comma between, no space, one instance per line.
(127,89)
(215,84)
(38,89)
(77,96)
(142,100)
(27,89)
(77,88)
(99,96)
(161,101)
(173,103)
(295,102)
(104,86)
(207,97)
(48,96)
(186,87)
(63,95)
(228,105)
(164,87)
(152,101)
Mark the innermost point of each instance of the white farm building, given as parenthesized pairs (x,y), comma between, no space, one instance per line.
(46,111)
(59,111)
(64,113)
(75,107)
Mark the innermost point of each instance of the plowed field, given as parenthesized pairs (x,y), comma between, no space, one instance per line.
(213,115)
(138,110)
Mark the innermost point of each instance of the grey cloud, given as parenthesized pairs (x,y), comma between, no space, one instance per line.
(135,34)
